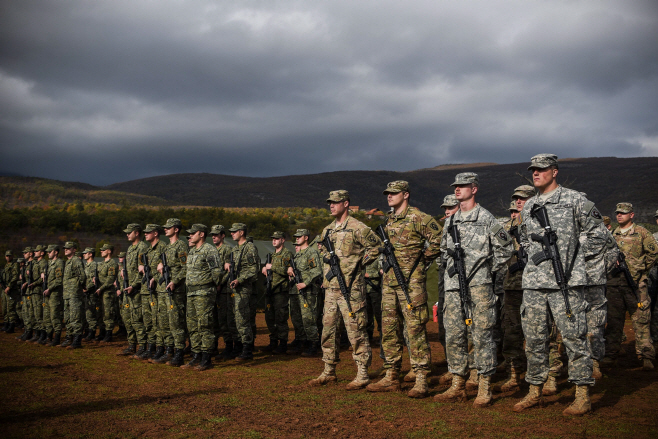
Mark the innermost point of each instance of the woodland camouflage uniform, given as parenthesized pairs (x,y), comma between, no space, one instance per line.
(309,264)
(276,311)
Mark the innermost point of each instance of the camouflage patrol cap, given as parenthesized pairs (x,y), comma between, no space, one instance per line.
(107,247)
(217,229)
(28,250)
(39,248)
(301,232)
(52,248)
(466,178)
(338,196)
(450,201)
(543,161)
(9,253)
(89,250)
(153,228)
(237,226)
(397,186)
(132,228)
(624,208)
(122,254)
(71,244)
(173,222)
(198,228)
(278,235)
(524,191)
(512,206)
(606,220)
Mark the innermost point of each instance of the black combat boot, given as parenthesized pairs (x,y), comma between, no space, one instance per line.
(139,352)
(43,339)
(101,335)
(159,352)
(35,338)
(282,348)
(196,359)
(107,338)
(247,353)
(67,341)
(295,348)
(130,350)
(177,359)
(162,359)
(10,329)
(311,349)
(206,362)
(5,326)
(90,336)
(226,353)
(270,347)
(27,334)
(77,342)
(56,339)
(148,353)
(237,350)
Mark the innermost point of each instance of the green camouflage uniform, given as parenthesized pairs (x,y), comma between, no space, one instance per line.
(309,264)
(246,261)
(154,306)
(653,290)
(176,303)
(11,279)
(356,246)
(512,330)
(641,251)
(107,276)
(53,312)
(74,280)
(93,299)
(374,298)
(135,322)
(225,326)
(408,232)
(276,312)
(35,308)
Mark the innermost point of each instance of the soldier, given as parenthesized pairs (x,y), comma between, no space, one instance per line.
(153,301)
(245,259)
(487,247)
(121,311)
(21,305)
(307,261)
(569,214)
(373,300)
(416,239)
(11,291)
(276,312)
(26,280)
(355,246)
(225,324)
(175,295)
(513,352)
(641,250)
(53,311)
(108,271)
(203,275)
(92,296)
(653,294)
(36,294)
(74,280)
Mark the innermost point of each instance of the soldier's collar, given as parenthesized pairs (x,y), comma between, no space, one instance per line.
(402,215)
(471,215)
(343,225)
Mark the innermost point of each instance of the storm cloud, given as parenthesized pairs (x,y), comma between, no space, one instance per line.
(107,91)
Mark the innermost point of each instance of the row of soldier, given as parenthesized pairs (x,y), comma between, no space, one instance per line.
(553,258)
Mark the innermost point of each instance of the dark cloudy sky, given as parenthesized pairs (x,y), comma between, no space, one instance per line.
(108,91)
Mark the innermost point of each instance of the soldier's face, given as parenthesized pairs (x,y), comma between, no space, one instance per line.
(52,254)
(520,202)
(395,200)
(338,208)
(106,253)
(132,235)
(277,242)
(8,258)
(69,252)
(514,214)
(464,192)
(195,238)
(150,236)
(26,255)
(215,239)
(624,218)
(300,240)
(542,178)
(450,211)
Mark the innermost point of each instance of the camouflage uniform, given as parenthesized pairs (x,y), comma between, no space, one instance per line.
(93,298)
(373,299)
(276,312)
(11,279)
(309,264)
(155,310)
(26,278)
(176,302)
(107,276)
(449,201)
(225,326)
(73,281)
(35,308)
(53,312)
(653,292)
(641,251)
(246,261)
(133,302)
(512,330)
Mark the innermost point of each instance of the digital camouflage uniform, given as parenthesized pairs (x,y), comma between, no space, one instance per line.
(512,330)
(93,299)
(408,232)
(246,261)
(13,296)
(276,312)
(641,251)
(26,278)
(176,303)
(653,293)
(309,264)
(135,322)
(154,305)
(73,281)
(374,298)
(35,292)
(225,326)
(107,276)
(53,312)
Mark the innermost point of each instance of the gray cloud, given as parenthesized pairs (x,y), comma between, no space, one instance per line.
(108,91)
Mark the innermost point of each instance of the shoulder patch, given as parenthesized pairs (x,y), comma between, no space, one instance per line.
(500,233)
(213,262)
(311,263)
(596,214)
(434,226)
(652,247)
(111,271)
(182,257)
(250,259)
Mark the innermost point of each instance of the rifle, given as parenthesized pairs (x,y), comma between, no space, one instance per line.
(335,272)
(96,282)
(459,268)
(268,277)
(390,261)
(166,273)
(124,274)
(231,269)
(521,255)
(45,286)
(298,280)
(623,267)
(147,278)
(24,279)
(550,251)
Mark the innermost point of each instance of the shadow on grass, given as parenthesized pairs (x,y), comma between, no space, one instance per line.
(25,367)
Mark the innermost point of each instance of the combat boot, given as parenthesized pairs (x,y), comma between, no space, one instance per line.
(130,350)
(76,344)
(270,347)
(312,349)
(647,364)
(159,352)
(581,404)
(390,382)
(148,353)
(550,386)
(10,329)
(246,354)
(206,362)
(532,399)
(101,335)
(282,348)
(107,338)
(35,337)
(596,370)
(56,339)
(44,338)
(512,382)
(419,389)
(361,380)
(177,359)
(90,336)
(227,353)
(27,334)
(484,393)
(237,350)
(67,341)
(328,375)
(295,348)
(168,353)
(456,392)
(446,378)
(140,351)
(410,377)
(473,380)
(196,359)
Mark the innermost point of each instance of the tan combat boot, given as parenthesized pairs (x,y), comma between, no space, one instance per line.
(446,378)
(420,389)
(484,393)
(327,376)
(512,382)
(390,382)
(473,380)
(456,392)
(581,404)
(550,387)
(647,364)
(410,377)
(361,380)
(596,370)
(532,399)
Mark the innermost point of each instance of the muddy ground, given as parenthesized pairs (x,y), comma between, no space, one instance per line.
(91,392)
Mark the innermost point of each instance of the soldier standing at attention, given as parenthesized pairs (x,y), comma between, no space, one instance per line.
(135,323)
(107,276)
(11,291)
(174,303)
(39,267)
(641,250)
(570,214)
(653,294)
(307,261)
(487,247)
(356,246)
(153,303)
(53,311)
(276,312)
(409,230)
(74,280)
(245,259)
(203,275)
(373,279)
(20,305)
(28,255)
(225,323)
(92,296)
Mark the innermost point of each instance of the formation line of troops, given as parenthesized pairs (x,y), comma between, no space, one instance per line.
(553,279)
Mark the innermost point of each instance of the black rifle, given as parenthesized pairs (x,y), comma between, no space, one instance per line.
(268,276)
(623,267)
(521,255)
(147,278)
(166,273)
(298,280)
(233,269)
(550,252)
(459,268)
(45,285)
(24,271)
(390,261)
(96,282)
(124,274)
(335,272)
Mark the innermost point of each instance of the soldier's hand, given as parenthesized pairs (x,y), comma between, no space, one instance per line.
(290,272)
(170,286)
(129,290)
(7,290)
(118,292)
(367,275)
(160,267)
(227,266)
(234,284)
(152,283)
(301,286)
(141,269)
(268,266)
(46,292)
(264,271)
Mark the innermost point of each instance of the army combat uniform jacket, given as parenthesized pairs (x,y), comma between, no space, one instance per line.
(280,264)
(75,277)
(224,258)
(203,270)
(641,251)
(177,261)
(309,266)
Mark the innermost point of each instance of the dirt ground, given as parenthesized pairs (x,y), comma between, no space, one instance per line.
(91,392)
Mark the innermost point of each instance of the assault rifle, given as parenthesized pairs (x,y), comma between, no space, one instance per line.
(390,261)
(550,252)
(231,269)
(335,272)
(623,267)
(166,273)
(298,280)
(521,255)
(268,277)
(124,274)
(24,279)
(45,286)
(147,278)
(459,268)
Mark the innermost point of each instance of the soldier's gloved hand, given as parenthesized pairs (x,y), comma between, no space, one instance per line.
(326,259)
